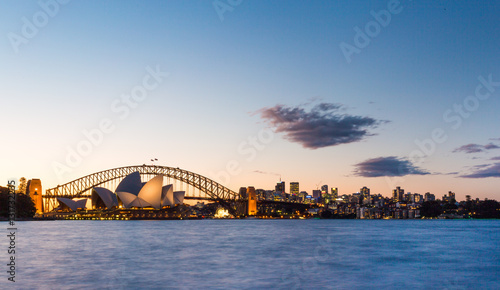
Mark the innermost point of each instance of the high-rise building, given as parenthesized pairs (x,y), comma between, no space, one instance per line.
(397,194)
(450,197)
(252,200)
(280,186)
(325,195)
(364,191)
(243,192)
(417,198)
(335,192)
(324,189)
(429,196)
(34,190)
(294,188)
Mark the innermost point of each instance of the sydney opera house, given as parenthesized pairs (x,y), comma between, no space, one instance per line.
(131,193)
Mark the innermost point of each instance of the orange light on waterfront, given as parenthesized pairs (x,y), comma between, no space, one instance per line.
(252,200)
(34,185)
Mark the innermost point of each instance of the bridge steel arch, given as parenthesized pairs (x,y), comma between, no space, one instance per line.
(78,187)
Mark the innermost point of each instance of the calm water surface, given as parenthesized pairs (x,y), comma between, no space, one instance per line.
(257,254)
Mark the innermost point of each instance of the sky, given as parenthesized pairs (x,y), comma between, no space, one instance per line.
(344,93)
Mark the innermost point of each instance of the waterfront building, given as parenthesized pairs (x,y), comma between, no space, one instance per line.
(103,198)
(67,204)
(132,192)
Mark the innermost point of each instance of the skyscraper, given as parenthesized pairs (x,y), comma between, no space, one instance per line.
(280,186)
(324,189)
(397,194)
(294,188)
(364,191)
(335,192)
(243,193)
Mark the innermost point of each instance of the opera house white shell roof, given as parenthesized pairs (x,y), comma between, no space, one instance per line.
(133,193)
(72,204)
(105,195)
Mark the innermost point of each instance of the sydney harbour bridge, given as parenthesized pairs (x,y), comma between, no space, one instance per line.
(196,186)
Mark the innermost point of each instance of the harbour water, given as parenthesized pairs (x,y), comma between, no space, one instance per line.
(256,254)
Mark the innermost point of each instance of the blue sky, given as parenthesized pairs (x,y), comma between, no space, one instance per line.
(223,74)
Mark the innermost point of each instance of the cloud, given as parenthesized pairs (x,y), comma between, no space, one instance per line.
(484,171)
(495,158)
(324,125)
(264,172)
(491,146)
(475,148)
(387,166)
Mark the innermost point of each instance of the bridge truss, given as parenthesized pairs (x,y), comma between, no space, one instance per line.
(82,187)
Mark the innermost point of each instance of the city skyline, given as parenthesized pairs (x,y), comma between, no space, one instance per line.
(348,94)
